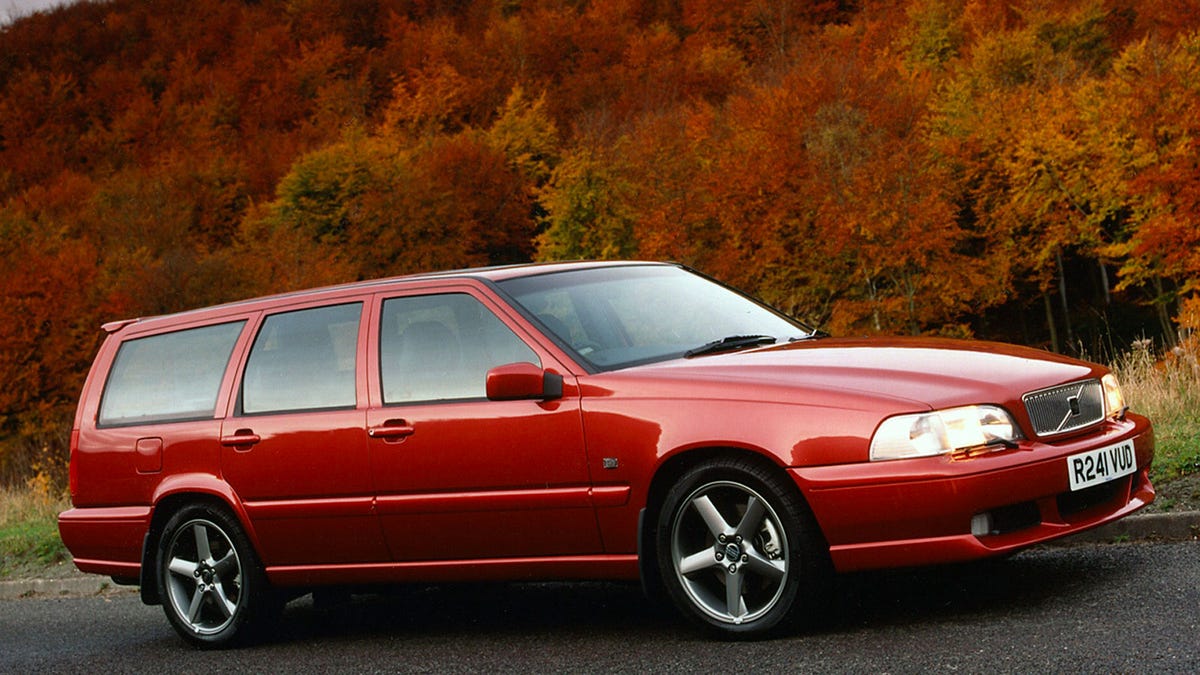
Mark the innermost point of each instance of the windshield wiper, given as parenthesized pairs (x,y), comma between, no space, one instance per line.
(814,335)
(730,343)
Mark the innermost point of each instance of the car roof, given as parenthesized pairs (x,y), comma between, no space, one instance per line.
(490,274)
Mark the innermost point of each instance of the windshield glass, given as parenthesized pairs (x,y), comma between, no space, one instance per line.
(613,317)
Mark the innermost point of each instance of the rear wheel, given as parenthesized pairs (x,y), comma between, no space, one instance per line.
(737,550)
(211,583)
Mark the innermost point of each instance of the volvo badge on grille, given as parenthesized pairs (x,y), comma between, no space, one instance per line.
(1074,403)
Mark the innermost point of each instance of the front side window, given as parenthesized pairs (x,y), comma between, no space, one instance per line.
(303,360)
(440,347)
(169,377)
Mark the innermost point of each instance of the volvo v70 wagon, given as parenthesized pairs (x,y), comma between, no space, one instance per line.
(569,421)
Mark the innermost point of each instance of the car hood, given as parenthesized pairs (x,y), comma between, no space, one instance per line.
(923,372)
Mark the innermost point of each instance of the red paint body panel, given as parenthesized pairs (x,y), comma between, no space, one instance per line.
(108,540)
(306,487)
(480,489)
(485,478)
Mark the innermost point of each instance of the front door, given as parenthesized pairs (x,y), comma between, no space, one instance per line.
(457,476)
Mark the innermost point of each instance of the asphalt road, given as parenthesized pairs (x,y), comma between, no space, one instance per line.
(1106,608)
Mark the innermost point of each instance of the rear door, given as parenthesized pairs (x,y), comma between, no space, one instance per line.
(295,448)
(458,476)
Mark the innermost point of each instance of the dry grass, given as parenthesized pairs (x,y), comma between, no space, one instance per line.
(1167,390)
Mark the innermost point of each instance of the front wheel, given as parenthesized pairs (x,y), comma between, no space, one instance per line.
(211,583)
(738,551)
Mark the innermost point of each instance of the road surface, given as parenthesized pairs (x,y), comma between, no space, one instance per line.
(1093,608)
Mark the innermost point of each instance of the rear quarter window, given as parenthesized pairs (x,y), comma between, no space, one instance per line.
(170,377)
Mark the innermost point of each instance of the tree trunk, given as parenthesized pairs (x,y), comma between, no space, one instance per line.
(1164,315)
(1104,284)
(1050,322)
(1062,293)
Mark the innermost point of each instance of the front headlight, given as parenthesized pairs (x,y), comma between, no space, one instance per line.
(943,431)
(1114,401)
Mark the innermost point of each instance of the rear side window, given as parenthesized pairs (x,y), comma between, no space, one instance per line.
(303,360)
(171,377)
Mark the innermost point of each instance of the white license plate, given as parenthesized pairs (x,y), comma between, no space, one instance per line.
(1100,466)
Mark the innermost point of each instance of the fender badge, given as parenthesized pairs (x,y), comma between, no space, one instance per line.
(610,462)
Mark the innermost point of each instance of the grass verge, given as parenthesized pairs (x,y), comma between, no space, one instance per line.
(1167,391)
(29,531)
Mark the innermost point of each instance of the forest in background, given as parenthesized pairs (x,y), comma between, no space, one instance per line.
(1026,170)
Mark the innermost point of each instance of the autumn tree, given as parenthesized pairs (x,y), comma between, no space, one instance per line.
(916,166)
(1144,120)
(1008,122)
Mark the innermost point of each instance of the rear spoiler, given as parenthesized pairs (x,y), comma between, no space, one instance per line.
(114,326)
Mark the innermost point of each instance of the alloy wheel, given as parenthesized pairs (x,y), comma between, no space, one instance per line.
(203,575)
(728,552)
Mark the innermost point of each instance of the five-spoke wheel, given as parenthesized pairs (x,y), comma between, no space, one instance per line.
(735,548)
(208,576)
(727,552)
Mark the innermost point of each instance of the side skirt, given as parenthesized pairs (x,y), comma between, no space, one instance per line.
(557,568)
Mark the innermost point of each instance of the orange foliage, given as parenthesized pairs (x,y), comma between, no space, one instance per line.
(908,166)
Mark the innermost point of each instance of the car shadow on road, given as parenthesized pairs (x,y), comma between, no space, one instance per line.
(864,600)
(1023,583)
(454,610)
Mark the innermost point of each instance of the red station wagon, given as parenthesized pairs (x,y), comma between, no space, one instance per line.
(569,421)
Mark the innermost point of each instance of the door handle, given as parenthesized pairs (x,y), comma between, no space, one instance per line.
(242,438)
(391,430)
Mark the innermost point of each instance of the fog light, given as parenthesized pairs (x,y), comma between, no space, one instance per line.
(981,524)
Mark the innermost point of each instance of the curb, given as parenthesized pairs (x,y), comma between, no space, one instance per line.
(78,584)
(1149,527)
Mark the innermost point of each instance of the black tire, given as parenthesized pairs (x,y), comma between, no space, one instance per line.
(738,551)
(212,586)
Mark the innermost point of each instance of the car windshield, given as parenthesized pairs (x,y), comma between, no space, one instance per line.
(615,317)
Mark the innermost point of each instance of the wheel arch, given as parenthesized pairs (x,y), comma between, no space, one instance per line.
(165,506)
(667,474)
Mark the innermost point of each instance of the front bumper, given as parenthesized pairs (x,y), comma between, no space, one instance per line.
(920,511)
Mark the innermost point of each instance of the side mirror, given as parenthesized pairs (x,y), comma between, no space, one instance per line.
(520,381)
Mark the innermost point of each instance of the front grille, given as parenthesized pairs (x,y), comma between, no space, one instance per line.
(1065,408)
